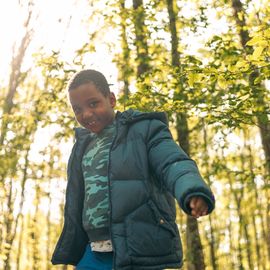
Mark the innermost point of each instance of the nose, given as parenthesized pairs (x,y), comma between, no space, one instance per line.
(87,114)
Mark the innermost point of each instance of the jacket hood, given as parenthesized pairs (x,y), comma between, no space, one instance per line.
(127,117)
(131,116)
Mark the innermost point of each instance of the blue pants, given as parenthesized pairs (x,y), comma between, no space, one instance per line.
(92,260)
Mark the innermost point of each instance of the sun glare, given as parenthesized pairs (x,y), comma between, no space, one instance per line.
(56,25)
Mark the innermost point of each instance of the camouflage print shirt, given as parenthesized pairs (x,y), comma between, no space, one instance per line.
(95,171)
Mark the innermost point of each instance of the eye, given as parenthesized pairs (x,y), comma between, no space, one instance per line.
(93,104)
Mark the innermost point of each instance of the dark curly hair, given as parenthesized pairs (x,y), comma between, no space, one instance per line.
(90,76)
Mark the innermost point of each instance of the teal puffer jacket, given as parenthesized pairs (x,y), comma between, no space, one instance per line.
(146,171)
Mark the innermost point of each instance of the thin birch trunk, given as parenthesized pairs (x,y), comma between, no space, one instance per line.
(258,207)
(244,216)
(34,231)
(231,259)
(20,244)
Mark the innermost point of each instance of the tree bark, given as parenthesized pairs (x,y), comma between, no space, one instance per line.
(8,227)
(34,235)
(143,59)
(14,81)
(124,64)
(12,223)
(19,254)
(231,259)
(15,77)
(243,217)
(212,243)
(238,199)
(194,256)
(49,230)
(258,95)
(258,207)
(263,120)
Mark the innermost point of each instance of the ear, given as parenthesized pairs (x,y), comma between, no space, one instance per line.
(112,99)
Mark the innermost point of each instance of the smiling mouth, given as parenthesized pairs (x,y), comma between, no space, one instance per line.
(92,123)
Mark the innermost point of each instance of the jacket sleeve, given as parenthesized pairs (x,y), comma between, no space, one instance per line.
(174,169)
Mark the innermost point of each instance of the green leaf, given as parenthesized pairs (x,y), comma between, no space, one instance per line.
(255,40)
(257,52)
(257,80)
(191,79)
(222,82)
(194,78)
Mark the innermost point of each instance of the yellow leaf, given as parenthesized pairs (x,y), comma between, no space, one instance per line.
(191,79)
(255,40)
(232,68)
(242,64)
(222,83)
(257,52)
(258,80)
(211,70)
(194,77)
(267,33)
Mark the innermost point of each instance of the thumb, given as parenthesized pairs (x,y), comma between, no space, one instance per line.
(193,202)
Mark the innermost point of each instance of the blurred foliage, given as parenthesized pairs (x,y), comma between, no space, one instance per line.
(223,88)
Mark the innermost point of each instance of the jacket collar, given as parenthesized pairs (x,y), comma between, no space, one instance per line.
(131,116)
(127,117)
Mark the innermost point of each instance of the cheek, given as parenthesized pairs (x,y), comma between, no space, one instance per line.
(78,118)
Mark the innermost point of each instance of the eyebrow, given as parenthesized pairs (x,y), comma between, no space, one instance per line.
(92,98)
(89,99)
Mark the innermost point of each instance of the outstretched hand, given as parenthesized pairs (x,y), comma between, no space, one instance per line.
(198,206)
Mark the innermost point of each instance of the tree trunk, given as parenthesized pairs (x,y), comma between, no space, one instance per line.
(15,77)
(212,242)
(212,245)
(49,231)
(237,200)
(249,244)
(232,255)
(124,64)
(231,259)
(194,257)
(268,224)
(143,59)
(11,221)
(1,220)
(263,120)
(244,216)
(34,235)
(258,95)
(8,227)
(50,207)
(19,254)
(14,81)
(258,206)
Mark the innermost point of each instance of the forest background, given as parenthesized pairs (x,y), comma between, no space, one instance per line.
(205,63)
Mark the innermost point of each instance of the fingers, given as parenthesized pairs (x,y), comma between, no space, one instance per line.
(198,207)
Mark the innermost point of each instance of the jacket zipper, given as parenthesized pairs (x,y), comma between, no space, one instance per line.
(109,189)
(67,197)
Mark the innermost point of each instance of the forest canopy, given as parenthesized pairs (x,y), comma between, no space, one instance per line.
(205,63)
